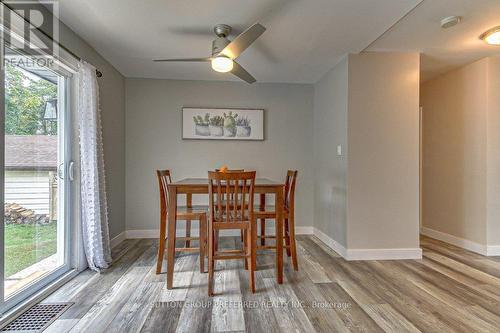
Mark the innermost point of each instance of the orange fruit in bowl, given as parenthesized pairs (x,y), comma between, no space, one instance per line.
(223,168)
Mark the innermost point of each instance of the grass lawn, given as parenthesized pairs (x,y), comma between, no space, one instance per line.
(28,244)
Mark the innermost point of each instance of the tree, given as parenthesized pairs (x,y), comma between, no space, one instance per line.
(25,97)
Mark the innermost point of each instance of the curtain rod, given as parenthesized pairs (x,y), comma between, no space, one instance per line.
(98,73)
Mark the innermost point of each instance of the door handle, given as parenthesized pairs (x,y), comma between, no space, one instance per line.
(71,171)
(60,171)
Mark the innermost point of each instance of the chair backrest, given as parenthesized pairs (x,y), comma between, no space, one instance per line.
(231,196)
(164,179)
(291,179)
(230,170)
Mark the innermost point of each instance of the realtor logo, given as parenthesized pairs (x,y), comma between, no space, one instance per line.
(30,26)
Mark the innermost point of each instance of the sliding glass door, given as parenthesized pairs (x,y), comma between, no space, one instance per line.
(37,176)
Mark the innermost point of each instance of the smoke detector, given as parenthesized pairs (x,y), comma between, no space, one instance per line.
(450,21)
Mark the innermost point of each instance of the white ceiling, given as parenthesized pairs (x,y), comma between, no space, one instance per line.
(444,49)
(304,38)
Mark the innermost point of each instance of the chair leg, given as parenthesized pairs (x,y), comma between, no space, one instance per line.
(252,255)
(287,237)
(245,246)
(293,247)
(189,203)
(210,260)
(254,247)
(161,243)
(262,232)
(262,221)
(203,242)
(188,232)
(242,236)
(216,240)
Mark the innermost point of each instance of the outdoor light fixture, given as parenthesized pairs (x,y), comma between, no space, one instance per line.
(50,112)
(492,36)
(222,64)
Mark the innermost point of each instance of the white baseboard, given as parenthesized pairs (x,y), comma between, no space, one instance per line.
(493,250)
(368,254)
(154,233)
(348,254)
(118,239)
(148,233)
(330,242)
(460,242)
(384,254)
(303,230)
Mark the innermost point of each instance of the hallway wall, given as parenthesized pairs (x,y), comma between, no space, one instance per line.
(461,155)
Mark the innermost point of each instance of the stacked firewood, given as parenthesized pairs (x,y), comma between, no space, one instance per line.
(17,214)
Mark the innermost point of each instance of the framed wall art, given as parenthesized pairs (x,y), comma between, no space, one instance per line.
(222,124)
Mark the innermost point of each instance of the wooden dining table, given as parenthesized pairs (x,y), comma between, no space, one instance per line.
(200,186)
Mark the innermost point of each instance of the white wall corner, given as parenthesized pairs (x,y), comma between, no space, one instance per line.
(118,239)
(493,250)
(460,242)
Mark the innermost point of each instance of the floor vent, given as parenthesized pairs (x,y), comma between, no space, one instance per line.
(37,318)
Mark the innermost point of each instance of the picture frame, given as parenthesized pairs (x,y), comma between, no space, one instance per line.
(222,124)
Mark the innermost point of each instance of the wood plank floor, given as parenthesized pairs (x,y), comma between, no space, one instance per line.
(449,290)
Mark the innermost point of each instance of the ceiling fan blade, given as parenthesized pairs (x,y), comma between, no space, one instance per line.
(243,41)
(184,59)
(242,73)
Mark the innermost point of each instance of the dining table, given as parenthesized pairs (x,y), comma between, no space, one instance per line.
(192,186)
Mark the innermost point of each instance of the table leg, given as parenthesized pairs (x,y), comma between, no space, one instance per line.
(279,203)
(172,220)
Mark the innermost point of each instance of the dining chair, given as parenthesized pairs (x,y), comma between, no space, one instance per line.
(223,201)
(186,213)
(237,188)
(269,212)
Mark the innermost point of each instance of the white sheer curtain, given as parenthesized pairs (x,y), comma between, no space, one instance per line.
(93,187)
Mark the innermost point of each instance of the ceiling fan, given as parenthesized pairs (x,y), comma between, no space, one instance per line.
(225,52)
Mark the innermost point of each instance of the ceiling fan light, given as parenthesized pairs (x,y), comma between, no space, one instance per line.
(492,36)
(222,64)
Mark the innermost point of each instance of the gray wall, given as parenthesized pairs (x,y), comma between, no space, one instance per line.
(112,100)
(330,170)
(153,139)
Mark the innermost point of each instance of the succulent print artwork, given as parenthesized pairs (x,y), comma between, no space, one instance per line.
(216,126)
(230,124)
(201,124)
(243,128)
(223,124)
